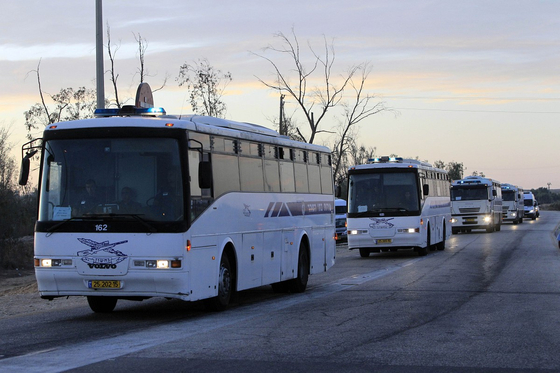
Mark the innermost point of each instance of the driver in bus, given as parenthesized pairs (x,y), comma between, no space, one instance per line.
(127,204)
(90,199)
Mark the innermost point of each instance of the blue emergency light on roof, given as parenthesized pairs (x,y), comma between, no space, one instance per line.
(129,110)
(385,159)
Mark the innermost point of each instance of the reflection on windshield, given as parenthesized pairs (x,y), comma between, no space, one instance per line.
(468,193)
(129,178)
(394,192)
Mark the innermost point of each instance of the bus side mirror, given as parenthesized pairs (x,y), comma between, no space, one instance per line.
(426,189)
(494,193)
(205,175)
(25,165)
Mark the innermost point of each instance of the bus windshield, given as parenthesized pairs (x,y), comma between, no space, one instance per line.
(469,193)
(382,192)
(120,178)
(508,195)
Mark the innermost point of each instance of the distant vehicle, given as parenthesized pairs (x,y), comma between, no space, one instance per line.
(396,203)
(531,205)
(512,203)
(340,210)
(476,203)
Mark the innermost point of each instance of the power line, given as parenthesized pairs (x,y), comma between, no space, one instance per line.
(482,111)
(462,98)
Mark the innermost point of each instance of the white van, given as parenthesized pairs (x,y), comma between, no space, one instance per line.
(531,205)
(340,211)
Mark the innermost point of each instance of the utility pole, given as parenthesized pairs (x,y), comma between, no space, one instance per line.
(281,124)
(99,54)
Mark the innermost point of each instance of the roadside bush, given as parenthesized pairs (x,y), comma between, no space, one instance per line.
(16,253)
(554,206)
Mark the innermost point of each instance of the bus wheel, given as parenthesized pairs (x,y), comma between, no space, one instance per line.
(225,287)
(102,304)
(298,284)
(423,251)
(364,253)
(441,245)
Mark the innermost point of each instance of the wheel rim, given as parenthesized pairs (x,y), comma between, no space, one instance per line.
(225,282)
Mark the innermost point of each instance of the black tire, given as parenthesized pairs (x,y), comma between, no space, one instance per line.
(225,287)
(364,253)
(298,284)
(102,304)
(423,251)
(441,245)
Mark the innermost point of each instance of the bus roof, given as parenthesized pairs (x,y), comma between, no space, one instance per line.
(198,123)
(392,162)
(475,180)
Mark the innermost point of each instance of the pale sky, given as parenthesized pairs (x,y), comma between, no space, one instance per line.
(475,81)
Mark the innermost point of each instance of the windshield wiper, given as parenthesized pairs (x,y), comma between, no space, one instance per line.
(52,229)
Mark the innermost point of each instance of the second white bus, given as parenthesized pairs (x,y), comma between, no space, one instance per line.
(396,203)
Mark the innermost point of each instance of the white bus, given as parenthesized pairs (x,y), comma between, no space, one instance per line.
(512,203)
(396,203)
(477,204)
(190,208)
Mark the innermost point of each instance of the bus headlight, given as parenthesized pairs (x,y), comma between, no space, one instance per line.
(453,220)
(48,263)
(163,263)
(159,264)
(487,219)
(408,230)
(357,231)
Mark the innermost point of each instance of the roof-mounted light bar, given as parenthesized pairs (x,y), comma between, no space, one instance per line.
(130,111)
(385,159)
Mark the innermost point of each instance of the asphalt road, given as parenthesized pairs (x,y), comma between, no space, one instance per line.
(489,303)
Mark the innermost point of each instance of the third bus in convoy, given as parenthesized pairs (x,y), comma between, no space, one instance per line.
(476,203)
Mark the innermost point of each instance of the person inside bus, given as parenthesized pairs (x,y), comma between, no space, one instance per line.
(407,202)
(89,200)
(127,204)
(166,204)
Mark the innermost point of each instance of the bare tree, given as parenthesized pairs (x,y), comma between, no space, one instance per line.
(323,98)
(355,154)
(111,71)
(141,70)
(362,107)
(142,46)
(206,85)
(69,104)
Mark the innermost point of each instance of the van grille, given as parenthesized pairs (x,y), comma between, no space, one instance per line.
(467,210)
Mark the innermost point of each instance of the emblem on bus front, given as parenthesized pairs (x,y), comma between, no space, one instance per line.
(381,223)
(96,256)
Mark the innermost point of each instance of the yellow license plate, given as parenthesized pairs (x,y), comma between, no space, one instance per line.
(104,284)
(384,240)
